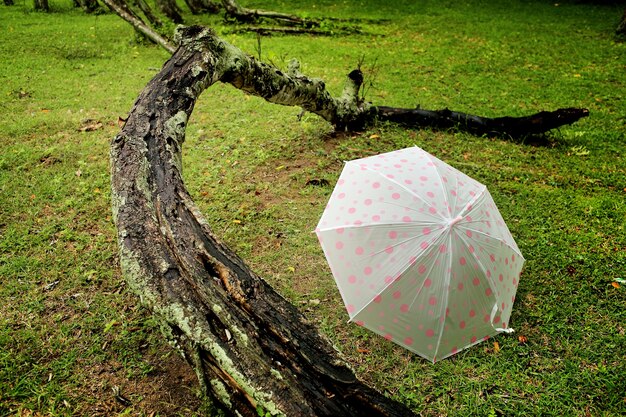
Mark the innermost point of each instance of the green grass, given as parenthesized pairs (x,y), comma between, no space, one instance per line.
(69,329)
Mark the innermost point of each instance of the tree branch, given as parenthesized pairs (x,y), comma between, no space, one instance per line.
(251,349)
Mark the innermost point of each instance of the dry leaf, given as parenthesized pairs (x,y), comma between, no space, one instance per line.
(361,350)
(522,339)
(496,347)
(78,173)
(374,136)
(615,284)
(90,126)
(121,122)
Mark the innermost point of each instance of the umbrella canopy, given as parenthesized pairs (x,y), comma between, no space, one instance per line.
(420,252)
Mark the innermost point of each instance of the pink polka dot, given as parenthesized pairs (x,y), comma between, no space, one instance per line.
(421,269)
(424,178)
(395,196)
(404,308)
(432,301)
(389,249)
(378,299)
(424,245)
(462,324)
(462,261)
(426,231)
(397,294)
(472,313)
(376,185)
(427,282)
(352,279)
(496,320)
(368,202)
(468,233)
(407,219)
(368,270)
(340,231)
(339,245)
(388,279)
(488,292)
(486,318)
(393,234)
(432,210)
(471,249)
(501,277)
(430,333)
(376,218)
(460,286)
(351,210)
(473,339)
(408,341)
(341,196)
(388,336)
(408,182)
(350,308)
(468,218)
(476,282)
(443,249)
(492,257)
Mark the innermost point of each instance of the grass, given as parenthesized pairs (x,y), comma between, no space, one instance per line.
(70,332)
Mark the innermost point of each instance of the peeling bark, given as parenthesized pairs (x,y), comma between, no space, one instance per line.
(253,351)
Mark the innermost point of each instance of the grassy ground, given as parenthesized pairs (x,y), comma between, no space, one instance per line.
(71,336)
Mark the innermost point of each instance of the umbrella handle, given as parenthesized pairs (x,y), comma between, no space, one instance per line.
(494,310)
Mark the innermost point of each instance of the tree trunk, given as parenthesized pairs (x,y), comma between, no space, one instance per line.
(125,12)
(235,10)
(41,5)
(89,6)
(252,350)
(621,28)
(170,9)
(148,13)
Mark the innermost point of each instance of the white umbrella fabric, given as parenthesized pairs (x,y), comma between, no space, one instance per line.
(420,253)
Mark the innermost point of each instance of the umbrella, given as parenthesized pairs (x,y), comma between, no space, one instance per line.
(420,253)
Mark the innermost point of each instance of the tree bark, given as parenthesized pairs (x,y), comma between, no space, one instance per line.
(170,9)
(252,350)
(621,28)
(501,126)
(89,6)
(236,11)
(148,13)
(41,5)
(126,13)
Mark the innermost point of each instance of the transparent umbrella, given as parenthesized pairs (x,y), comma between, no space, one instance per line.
(420,253)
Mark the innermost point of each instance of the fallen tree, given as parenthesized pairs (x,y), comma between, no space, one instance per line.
(253,352)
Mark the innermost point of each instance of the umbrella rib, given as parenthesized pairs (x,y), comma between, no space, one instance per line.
(514,249)
(446,285)
(405,188)
(443,188)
